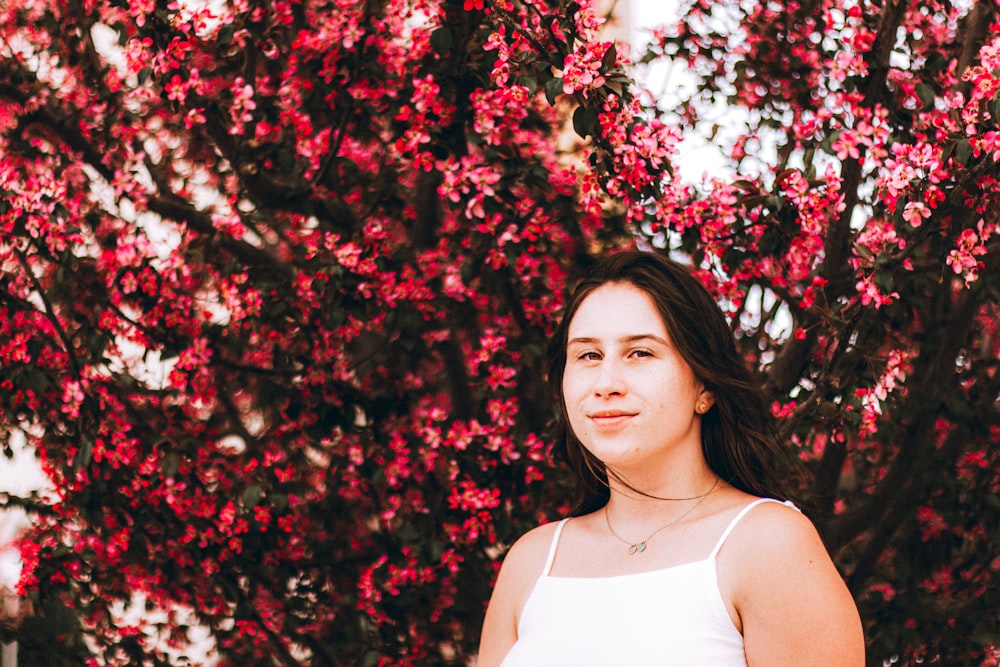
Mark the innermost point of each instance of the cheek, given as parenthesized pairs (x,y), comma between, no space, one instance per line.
(570,388)
(571,401)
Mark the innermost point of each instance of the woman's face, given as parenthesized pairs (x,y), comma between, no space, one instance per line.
(631,399)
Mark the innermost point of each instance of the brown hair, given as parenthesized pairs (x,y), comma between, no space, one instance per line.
(738,432)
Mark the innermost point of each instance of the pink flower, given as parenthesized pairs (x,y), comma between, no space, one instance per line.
(915,212)
(962,259)
(582,68)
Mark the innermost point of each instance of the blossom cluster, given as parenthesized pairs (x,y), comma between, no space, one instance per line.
(278,281)
(854,247)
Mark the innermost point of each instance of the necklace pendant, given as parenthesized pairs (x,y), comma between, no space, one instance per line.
(637,548)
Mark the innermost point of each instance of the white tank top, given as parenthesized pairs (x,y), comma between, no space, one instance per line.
(674,616)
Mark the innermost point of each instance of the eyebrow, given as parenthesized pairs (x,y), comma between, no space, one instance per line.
(633,338)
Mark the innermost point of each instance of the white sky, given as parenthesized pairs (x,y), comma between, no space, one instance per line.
(697,157)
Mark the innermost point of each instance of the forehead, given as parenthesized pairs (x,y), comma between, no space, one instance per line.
(616,310)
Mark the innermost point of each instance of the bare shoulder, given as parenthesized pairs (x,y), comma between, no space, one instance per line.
(771,544)
(787,594)
(776,529)
(521,568)
(523,563)
(531,546)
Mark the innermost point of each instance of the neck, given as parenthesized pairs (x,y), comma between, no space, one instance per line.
(683,509)
(672,484)
(648,497)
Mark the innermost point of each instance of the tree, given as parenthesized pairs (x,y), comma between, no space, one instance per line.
(278,279)
(860,256)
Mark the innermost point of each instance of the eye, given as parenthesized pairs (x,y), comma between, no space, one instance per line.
(641,352)
(589,355)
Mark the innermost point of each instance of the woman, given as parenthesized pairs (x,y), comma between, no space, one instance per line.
(679,551)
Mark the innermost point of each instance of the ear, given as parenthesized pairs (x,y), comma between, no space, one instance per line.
(706,400)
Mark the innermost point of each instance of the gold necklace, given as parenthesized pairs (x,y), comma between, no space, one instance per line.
(640,546)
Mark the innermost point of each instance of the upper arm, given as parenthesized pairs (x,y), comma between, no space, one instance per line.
(521,568)
(794,606)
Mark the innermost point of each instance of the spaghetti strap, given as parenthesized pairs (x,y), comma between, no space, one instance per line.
(552,549)
(738,517)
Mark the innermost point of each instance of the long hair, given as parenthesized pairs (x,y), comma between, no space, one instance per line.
(738,433)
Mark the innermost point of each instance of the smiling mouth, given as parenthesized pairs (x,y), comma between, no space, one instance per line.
(611,418)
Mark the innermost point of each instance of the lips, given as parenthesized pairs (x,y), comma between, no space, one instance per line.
(608,418)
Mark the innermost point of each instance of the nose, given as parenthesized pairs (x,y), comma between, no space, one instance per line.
(610,379)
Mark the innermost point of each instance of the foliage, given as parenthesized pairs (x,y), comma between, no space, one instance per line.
(277,280)
(860,251)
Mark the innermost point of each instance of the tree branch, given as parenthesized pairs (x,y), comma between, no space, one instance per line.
(32,504)
(947,335)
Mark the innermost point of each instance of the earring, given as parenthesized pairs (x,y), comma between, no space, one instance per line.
(701,408)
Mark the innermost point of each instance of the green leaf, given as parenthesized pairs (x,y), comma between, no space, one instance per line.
(963,151)
(97,342)
(926,94)
(885,281)
(84,453)
(585,121)
(442,40)
(34,380)
(252,496)
(935,63)
(863,251)
(775,202)
(826,145)
(226,34)
(995,109)
(170,464)
(553,88)
(610,58)
(769,243)
(279,502)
